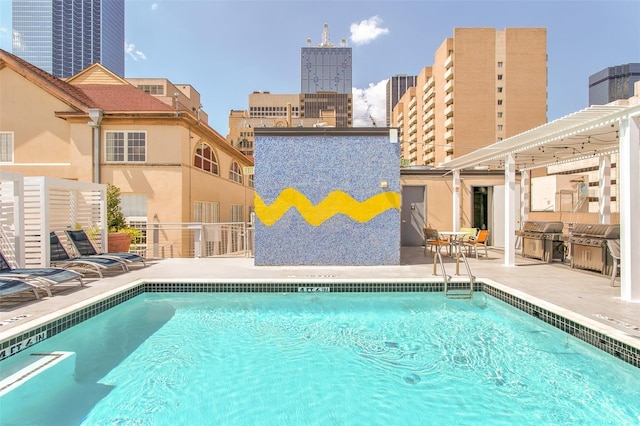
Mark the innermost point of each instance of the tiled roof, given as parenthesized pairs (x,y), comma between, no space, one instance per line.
(76,96)
(121,97)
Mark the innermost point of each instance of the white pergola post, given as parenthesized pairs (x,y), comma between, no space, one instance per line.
(525,197)
(604,189)
(510,211)
(629,202)
(456,200)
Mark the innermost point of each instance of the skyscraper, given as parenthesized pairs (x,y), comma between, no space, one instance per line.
(326,67)
(396,86)
(613,83)
(62,37)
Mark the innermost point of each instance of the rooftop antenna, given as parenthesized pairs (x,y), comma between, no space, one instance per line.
(325,36)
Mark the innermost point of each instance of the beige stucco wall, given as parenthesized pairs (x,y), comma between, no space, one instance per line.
(40,139)
(439,196)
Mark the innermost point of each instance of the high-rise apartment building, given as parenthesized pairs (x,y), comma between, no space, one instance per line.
(613,83)
(326,67)
(397,85)
(63,37)
(485,85)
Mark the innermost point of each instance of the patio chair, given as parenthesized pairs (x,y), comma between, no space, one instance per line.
(44,277)
(16,284)
(96,264)
(433,240)
(614,250)
(83,245)
(470,233)
(479,241)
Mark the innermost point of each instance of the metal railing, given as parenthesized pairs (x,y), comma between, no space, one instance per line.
(195,239)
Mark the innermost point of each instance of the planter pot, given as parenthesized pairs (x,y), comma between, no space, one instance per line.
(118,242)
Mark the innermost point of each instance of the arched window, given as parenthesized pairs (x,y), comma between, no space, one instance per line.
(205,159)
(235,174)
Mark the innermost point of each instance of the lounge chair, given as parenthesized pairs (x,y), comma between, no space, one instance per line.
(14,284)
(85,248)
(45,277)
(433,240)
(479,241)
(96,264)
(470,233)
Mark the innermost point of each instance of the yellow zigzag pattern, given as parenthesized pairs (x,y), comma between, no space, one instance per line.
(336,202)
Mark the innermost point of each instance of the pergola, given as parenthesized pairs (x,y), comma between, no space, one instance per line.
(597,131)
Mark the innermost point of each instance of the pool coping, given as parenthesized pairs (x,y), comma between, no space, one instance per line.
(608,339)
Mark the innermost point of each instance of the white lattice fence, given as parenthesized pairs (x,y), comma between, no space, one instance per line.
(52,204)
(11,216)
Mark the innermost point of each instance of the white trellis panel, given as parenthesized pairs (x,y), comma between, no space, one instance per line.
(52,204)
(11,217)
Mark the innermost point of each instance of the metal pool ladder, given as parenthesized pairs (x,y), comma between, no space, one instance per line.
(456,290)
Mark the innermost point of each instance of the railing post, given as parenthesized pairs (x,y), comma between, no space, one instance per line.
(156,241)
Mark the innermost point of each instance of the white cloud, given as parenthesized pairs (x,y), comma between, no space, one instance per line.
(130,49)
(154,6)
(370,103)
(367,30)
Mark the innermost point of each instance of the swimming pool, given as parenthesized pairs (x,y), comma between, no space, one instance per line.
(321,358)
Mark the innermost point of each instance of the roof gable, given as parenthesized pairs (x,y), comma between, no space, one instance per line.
(62,90)
(96,74)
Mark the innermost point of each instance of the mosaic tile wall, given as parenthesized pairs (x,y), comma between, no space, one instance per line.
(319,199)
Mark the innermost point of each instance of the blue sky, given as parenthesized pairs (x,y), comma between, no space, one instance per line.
(228,49)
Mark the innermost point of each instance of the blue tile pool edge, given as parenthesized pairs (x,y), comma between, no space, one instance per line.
(596,334)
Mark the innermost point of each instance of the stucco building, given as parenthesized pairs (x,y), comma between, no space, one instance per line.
(170,166)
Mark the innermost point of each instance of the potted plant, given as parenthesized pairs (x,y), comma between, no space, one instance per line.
(120,234)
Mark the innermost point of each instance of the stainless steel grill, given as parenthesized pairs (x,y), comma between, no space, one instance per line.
(588,246)
(542,240)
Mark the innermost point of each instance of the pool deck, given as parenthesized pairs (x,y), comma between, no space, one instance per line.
(587,295)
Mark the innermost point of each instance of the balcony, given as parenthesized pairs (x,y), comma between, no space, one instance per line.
(448,136)
(448,62)
(448,123)
(429,94)
(428,84)
(448,98)
(448,87)
(429,135)
(412,102)
(448,74)
(429,115)
(448,111)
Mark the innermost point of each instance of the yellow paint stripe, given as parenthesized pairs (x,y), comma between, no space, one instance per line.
(337,202)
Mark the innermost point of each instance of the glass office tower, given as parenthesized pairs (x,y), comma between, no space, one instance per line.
(62,37)
(613,83)
(326,67)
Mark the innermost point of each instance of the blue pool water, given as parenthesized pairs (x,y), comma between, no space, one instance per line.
(331,358)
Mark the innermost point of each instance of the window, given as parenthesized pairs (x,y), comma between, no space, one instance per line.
(499,64)
(251,182)
(152,89)
(206,212)
(205,159)
(499,127)
(236,213)
(499,76)
(234,173)
(499,89)
(500,115)
(499,101)
(6,147)
(126,147)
